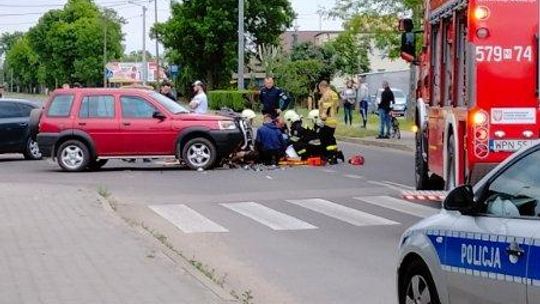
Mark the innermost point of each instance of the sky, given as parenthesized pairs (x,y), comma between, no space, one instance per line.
(21,15)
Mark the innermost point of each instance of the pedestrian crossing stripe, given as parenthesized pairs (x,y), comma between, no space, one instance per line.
(345,214)
(187,219)
(399,205)
(269,217)
(420,195)
(190,221)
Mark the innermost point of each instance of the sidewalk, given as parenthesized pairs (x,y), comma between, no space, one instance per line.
(406,143)
(58,245)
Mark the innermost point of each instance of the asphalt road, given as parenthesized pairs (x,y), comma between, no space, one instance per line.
(293,235)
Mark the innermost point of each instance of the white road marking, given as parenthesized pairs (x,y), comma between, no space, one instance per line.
(400,185)
(187,219)
(269,217)
(342,213)
(269,177)
(386,185)
(353,176)
(399,205)
(329,171)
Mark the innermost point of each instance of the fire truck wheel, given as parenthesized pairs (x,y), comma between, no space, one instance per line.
(450,180)
(421,174)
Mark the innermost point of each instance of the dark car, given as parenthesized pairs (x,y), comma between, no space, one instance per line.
(15,134)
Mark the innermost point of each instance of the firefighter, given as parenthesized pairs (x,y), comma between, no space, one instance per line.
(328,105)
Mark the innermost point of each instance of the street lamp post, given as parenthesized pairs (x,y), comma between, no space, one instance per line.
(157,41)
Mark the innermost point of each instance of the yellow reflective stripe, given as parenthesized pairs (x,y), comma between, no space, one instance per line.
(331,148)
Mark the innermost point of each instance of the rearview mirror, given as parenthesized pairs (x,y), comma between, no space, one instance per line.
(460,199)
(159,115)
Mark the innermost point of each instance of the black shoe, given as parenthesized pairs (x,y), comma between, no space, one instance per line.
(380,137)
(341,156)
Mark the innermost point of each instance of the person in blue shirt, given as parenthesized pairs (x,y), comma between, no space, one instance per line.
(270,142)
(273,99)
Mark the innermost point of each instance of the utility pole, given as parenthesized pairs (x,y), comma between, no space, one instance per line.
(105,54)
(157,44)
(144,60)
(241,42)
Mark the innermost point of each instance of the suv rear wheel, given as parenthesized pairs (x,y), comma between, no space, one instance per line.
(73,156)
(199,153)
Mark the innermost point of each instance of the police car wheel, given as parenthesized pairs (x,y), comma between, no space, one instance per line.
(418,286)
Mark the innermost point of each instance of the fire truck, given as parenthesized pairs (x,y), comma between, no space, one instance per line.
(477,86)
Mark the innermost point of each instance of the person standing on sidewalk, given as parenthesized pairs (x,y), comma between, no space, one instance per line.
(166,90)
(272,98)
(199,103)
(387,99)
(348,97)
(362,97)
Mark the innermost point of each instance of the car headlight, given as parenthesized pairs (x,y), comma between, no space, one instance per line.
(226,125)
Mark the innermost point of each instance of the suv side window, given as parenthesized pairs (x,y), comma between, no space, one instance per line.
(135,107)
(9,110)
(60,106)
(97,107)
(516,192)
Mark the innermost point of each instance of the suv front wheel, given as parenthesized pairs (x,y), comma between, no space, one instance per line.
(73,156)
(199,153)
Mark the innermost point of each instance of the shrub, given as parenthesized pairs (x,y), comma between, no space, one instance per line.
(235,100)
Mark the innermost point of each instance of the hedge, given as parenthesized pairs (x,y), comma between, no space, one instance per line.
(235,100)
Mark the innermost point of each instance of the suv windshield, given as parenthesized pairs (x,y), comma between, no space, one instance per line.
(169,104)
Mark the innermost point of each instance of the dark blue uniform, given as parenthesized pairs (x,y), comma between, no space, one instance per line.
(272,100)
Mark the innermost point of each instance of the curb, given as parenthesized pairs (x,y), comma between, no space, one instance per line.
(377,143)
(179,261)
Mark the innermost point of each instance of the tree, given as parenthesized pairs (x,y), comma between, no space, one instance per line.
(352,53)
(136,56)
(326,54)
(7,40)
(69,43)
(201,35)
(377,20)
(300,76)
(21,59)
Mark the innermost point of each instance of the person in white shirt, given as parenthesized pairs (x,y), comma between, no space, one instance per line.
(199,103)
(362,97)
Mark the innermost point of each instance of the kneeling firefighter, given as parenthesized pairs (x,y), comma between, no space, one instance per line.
(328,106)
(304,141)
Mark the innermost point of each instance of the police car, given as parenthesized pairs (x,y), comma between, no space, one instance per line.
(484,246)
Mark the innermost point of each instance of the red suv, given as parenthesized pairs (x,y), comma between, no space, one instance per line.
(84,128)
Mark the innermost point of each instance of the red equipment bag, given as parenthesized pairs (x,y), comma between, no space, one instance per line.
(357,160)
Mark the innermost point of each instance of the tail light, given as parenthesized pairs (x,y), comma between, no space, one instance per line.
(480,127)
(481,13)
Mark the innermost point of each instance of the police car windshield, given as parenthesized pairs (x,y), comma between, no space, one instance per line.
(169,104)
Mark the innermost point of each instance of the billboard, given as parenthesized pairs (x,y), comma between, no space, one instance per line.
(132,72)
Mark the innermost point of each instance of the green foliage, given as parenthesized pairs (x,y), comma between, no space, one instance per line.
(136,56)
(300,77)
(22,60)
(352,53)
(201,36)
(378,20)
(68,44)
(7,40)
(235,100)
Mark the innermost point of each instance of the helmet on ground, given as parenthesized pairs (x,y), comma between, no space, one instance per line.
(357,160)
(248,114)
(291,116)
(314,115)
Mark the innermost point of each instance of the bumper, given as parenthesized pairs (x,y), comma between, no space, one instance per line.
(227,140)
(46,142)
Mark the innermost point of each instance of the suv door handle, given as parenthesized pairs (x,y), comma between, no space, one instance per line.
(23,124)
(82,124)
(126,123)
(515,250)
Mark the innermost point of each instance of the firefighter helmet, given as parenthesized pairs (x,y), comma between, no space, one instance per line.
(248,114)
(291,116)
(314,115)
